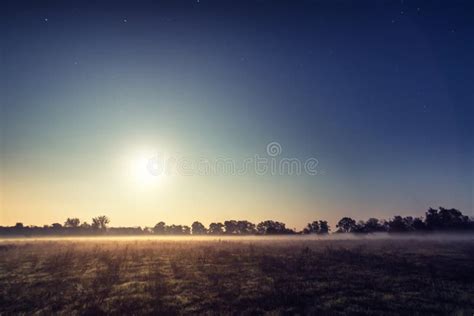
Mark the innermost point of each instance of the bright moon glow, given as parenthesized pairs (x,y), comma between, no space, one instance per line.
(140,172)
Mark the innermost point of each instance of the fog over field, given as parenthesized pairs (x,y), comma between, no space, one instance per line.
(225,157)
(440,237)
(181,275)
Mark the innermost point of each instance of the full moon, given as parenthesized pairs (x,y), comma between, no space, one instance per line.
(140,171)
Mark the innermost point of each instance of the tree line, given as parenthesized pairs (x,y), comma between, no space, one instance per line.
(435,220)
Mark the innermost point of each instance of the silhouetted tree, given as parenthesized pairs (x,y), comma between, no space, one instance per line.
(231,227)
(446,219)
(242,227)
(346,225)
(148,230)
(216,229)
(323,227)
(72,222)
(273,228)
(186,230)
(359,228)
(56,226)
(418,224)
(160,228)
(174,229)
(100,222)
(373,225)
(312,228)
(398,225)
(246,227)
(450,219)
(432,219)
(409,220)
(18,229)
(198,228)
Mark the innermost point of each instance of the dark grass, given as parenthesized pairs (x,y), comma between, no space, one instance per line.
(252,277)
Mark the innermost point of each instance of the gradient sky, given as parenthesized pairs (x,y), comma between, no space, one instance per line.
(380,92)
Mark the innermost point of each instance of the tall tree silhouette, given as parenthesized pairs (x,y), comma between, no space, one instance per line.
(72,222)
(270,227)
(323,227)
(246,227)
(216,229)
(399,224)
(446,219)
(198,228)
(231,227)
(373,225)
(100,222)
(160,228)
(346,225)
(312,228)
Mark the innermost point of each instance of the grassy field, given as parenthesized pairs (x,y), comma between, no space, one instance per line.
(294,275)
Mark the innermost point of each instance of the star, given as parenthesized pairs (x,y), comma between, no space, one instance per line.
(125,20)
(46,19)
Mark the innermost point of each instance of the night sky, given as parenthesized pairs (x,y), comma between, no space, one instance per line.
(380,92)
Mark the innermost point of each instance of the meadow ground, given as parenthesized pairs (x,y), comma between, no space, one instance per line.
(237,275)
